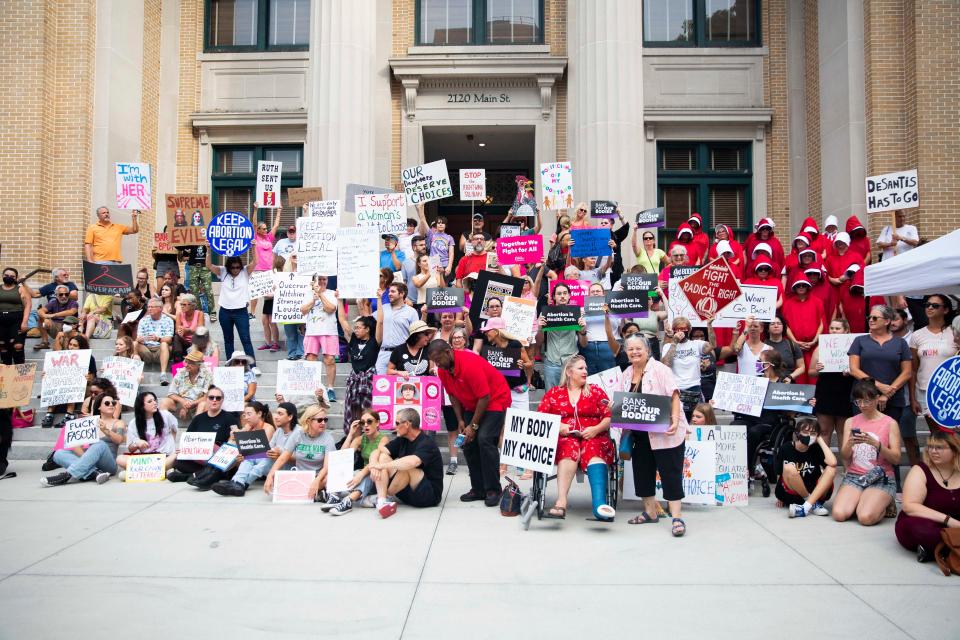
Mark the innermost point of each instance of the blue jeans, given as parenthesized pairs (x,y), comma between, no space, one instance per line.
(599,357)
(33,321)
(250,471)
(294,340)
(97,456)
(551,374)
(230,318)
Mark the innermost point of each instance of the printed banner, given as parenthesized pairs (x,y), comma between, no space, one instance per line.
(292,291)
(426,183)
(520,316)
(354,190)
(564,317)
(590,242)
(339,469)
(302,196)
(652,218)
(603,209)
(125,374)
(789,397)
(491,285)
(292,487)
(187,218)
(317,244)
(445,299)
(641,411)
(506,361)
(520,250)
(133,186)
(225,456)
(358,260)
(107,279)
(268,184)
(711,289)
(556,185)
(530,440)
(385,213)
(196,445)
(64,377)
(579,290)
(424,394)
(832,351)
(628,304)
(299,377)
(149,467)
(261,284)
(230,233)
(740,393)
(639,282)
(230,381)
(252,445)
(891,191)
(943,393)
(593,306)
(473,184)
(16,384)
(81,432)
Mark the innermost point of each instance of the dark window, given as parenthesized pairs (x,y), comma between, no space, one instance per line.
(701,23)
(478,22)
(257,25)
(668,20)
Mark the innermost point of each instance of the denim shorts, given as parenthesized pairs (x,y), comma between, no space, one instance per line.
(885,484)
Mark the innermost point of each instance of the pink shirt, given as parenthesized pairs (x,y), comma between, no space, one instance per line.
(865,456)
(658,380)
(263,245)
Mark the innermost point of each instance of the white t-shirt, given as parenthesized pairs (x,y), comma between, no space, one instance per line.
(234,291)
(933,349)
(906,231)
(596,331)
(686,362)
(284,247)
(319,322)
(166,443)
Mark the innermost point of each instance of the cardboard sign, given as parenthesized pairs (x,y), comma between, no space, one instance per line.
(579,290)
(291,292)
(64,376)
(603,209)
(125,374)
(385,213)
(81,432)
(149,467)
(187,218)
(316,244)
(520,250)
(261,284)
(354,190)
(891,191)
(292,487)
(652,218)
(562,317)
(832,351)
(196,445)
(230,381)
(641,411)
(253,445)
(590,242)
(678,305)
(593,306)
(358,260)
(230,233)
(520,316)
(133,186)
(445,299)
(16,384)
(107,279)
(628,304)
(423,394)
(699,473)
(509,230)
(740,393)
(711,289)
(503,360)
(754,300)
(556,185)
(161,243)
(943,392)
(491,285)
(225,456)
(530,440)
(473,184)
(427,182)
(339,469)
(301,196)
(789,397)
(268,184)
(299,377)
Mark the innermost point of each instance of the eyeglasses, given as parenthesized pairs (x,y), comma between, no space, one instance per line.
(937,448)
(862,402)
(368,422)
(322,420)
(678,255)
(397,423)
(215,398)
(877,318)
(63,295)
(933,305)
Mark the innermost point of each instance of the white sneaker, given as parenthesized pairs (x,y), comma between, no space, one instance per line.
(122,475)
(256,371)
(102,477)
(819,509)
(369,502)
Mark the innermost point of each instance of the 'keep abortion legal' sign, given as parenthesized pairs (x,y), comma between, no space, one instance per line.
(230,233)
(943,393)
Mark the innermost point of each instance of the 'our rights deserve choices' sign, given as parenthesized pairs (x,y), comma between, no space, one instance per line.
(530,440)
(427,182)
(230,233)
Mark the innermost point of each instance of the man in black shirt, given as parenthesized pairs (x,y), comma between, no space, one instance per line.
(212,420)
(412,470)
(809,467)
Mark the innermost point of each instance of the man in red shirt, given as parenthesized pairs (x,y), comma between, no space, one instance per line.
(480,398)
(474,262)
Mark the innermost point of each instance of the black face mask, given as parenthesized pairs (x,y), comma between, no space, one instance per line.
(8,280)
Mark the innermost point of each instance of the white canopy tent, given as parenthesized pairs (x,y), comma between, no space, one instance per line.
(930,268)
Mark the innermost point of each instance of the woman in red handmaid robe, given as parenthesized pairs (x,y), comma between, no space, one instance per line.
(803,315)
(841,265)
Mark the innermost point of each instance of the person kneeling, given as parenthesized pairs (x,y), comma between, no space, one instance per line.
(408,467)
(809,468)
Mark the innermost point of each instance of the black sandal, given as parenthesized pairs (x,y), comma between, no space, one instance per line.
(643,518)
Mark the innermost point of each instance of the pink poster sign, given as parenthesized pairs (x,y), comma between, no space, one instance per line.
(520,249)
(578,290)
(423,394)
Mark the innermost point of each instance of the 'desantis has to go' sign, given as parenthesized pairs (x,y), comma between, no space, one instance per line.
(711,288)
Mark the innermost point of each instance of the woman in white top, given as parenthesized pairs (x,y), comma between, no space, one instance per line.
(593,343)
(427,277)
(234,297)
(930,346)
(321,336)
(150,431)
(748,346)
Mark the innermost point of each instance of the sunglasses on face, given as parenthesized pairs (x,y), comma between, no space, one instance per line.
(648,237)
(877,318)
(933,305)
(108,403)
(368,422)
(62,295)
(215,398)
(321,420)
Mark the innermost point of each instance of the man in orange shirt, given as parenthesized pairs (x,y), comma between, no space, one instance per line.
(102,241)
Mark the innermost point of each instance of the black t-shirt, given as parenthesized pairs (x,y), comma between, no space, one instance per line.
(790,353)
(426,449)
(220,423)
(363,355)
(810,463)
(512,381)
(415,365)
(197,256)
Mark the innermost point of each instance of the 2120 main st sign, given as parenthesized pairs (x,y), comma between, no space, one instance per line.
(478,98)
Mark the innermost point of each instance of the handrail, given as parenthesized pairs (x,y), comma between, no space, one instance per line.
(33,273)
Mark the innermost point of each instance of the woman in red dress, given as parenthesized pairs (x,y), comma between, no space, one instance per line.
(803,315)
(853,305)
(802,253)
(817,276)
(584,411)
(842,264)
(763,274)
(699,237)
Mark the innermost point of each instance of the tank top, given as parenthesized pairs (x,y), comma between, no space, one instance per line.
(191,325)
(943,500)
(10,300)
(368,446)
(865,456)
(747,361)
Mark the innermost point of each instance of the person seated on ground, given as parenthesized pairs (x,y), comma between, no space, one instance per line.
(187,321)
(94,389)
(364,437)
(931,495)
(255,416)
(584,411)
(241,359)
(307,447)
(154,337)
(214,420)
(75,342)
(186,397)
(869,448)
(408,467)
(284,422)
(202,343)
(99,461)
(124,347)
(809,468)
(52,315)
(96,317)
(152,430)
(135,311)
(703,415)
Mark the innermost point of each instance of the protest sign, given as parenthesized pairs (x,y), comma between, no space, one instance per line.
(358,263)
(291,292)
(386,213)
(639,282)
(699,473)
(230,233)
(565,317)
(299,377)
(125,374)
(328,209)
(733,488)
(832,351)
(652,218)
(891,191)
(943,393)
(711,289)
(64,376)
(593,306)
(503,360)
(530,440)
(161,243)
(740,393)
(339,469)
(261,284)
(224,457)
(524,210)
(148,467)
(81,432)
(107,279)
(16,384)
(640,411)
(610,380)
(426,182)
(317,244)
(789,397)
(252,445)
(520,316)
(133,186)
(556,185)
(590,242)
(196,445)
(679,307)
(424,394)
(187,218)
(445,299)
(302,196)
(603,209)
(754,300)
(354,190)
(579,290)
(509,230)
(230,381)
(473,184)
(520,250)
(292,487)
(268,184)
(491,285)
(628,304)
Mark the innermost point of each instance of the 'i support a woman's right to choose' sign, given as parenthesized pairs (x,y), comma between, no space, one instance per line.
(230,233)
(943,394)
